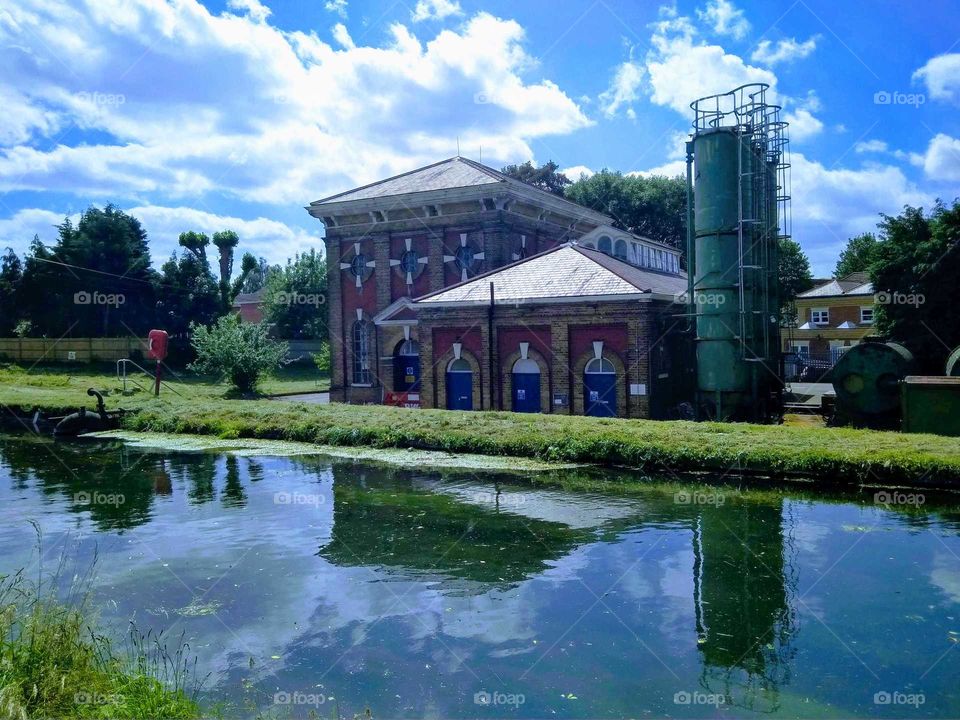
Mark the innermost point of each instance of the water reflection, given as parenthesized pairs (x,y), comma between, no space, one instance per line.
(371,581)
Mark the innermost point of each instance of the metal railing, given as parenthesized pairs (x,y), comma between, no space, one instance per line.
(123,377)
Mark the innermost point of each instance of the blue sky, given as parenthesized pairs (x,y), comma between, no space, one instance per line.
(237,114)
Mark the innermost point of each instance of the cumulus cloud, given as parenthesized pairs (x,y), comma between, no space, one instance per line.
(337,6)
(253,8)
(624,88)
(786,50)
(941,161)
(342,36)
(577,171)
(803,124)
(435,10)
(287,118)
(941,75)
(725,18)
(870,146)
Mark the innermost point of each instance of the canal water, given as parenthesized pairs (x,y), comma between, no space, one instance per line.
(311,583)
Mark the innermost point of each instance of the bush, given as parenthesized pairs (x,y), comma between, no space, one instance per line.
(322,359)
(243,352)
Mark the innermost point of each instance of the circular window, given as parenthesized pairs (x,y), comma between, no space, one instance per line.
(409,261)
(358,265)
(464,257)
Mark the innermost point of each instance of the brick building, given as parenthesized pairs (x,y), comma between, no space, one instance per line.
(574,310)
(832,317)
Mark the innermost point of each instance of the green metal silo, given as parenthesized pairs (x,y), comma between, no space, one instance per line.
(737,156)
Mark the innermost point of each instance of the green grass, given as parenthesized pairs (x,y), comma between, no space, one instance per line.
(65,386)
(832,455)
(55,664)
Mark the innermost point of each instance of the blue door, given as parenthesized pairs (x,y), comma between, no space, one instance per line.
(600,394)
(526,392)
(459,390)
(406,373)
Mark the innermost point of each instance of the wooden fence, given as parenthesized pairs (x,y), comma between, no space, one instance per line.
(85,350)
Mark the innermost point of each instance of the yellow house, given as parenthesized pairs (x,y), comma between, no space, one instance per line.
(833,316)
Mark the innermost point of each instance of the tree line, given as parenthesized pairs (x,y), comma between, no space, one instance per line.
(97,280)
(913,256)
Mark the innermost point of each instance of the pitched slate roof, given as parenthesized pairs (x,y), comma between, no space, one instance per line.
(567,271)
(857,283)
(456,172)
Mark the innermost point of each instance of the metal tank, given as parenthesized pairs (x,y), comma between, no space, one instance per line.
(953,363)
(867,379)
(737,175)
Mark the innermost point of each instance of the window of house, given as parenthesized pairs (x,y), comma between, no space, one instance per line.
(605,244)
(820,316)
(620,250)
(361,353)
(866,315)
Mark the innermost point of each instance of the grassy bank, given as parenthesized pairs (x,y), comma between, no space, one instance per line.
(53,664)
(65,386)
(841,455)
(829,454)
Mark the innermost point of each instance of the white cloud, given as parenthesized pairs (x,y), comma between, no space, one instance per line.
(669,169)
(624,88)
(941,75)
(18,230)
(253,8)
(342,36)
(725,18)
(803,125)
(337,6)
(681,71)
(870,146)
(786,50)
(941,162)
(435,10)
(287,118)
(575,172)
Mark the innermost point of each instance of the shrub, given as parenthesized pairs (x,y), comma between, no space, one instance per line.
(322,359)
(243,352)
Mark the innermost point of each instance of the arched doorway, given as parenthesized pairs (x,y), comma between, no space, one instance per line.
(526,386)
(459,385)
(406,367)
(600,388)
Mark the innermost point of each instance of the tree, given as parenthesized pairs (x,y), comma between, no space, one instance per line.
(914,276)
(295,301)
(188,293)
(95,281)
(794,270)
(257,277)
(196,243)
(11,275)
(544,177)
(858,256)
(243,352)
(654,207)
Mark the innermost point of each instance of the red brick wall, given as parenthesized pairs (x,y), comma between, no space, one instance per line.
(582,336)
(250,312)
(509,339)
(444,338)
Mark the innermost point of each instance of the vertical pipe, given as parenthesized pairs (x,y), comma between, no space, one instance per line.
(691,262)
(494,372)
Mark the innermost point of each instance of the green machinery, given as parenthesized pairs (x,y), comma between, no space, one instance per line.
(866,380)
(737,179)
(953,363)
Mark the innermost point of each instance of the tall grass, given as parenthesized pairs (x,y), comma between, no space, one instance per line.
(54,663)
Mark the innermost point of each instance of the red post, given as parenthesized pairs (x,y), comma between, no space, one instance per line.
(156,387)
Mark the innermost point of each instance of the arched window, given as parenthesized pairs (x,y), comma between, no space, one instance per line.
(361,353)
(408,348)
(526,367)
(600,366)
(459,365)
(605,244)
(620,250)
